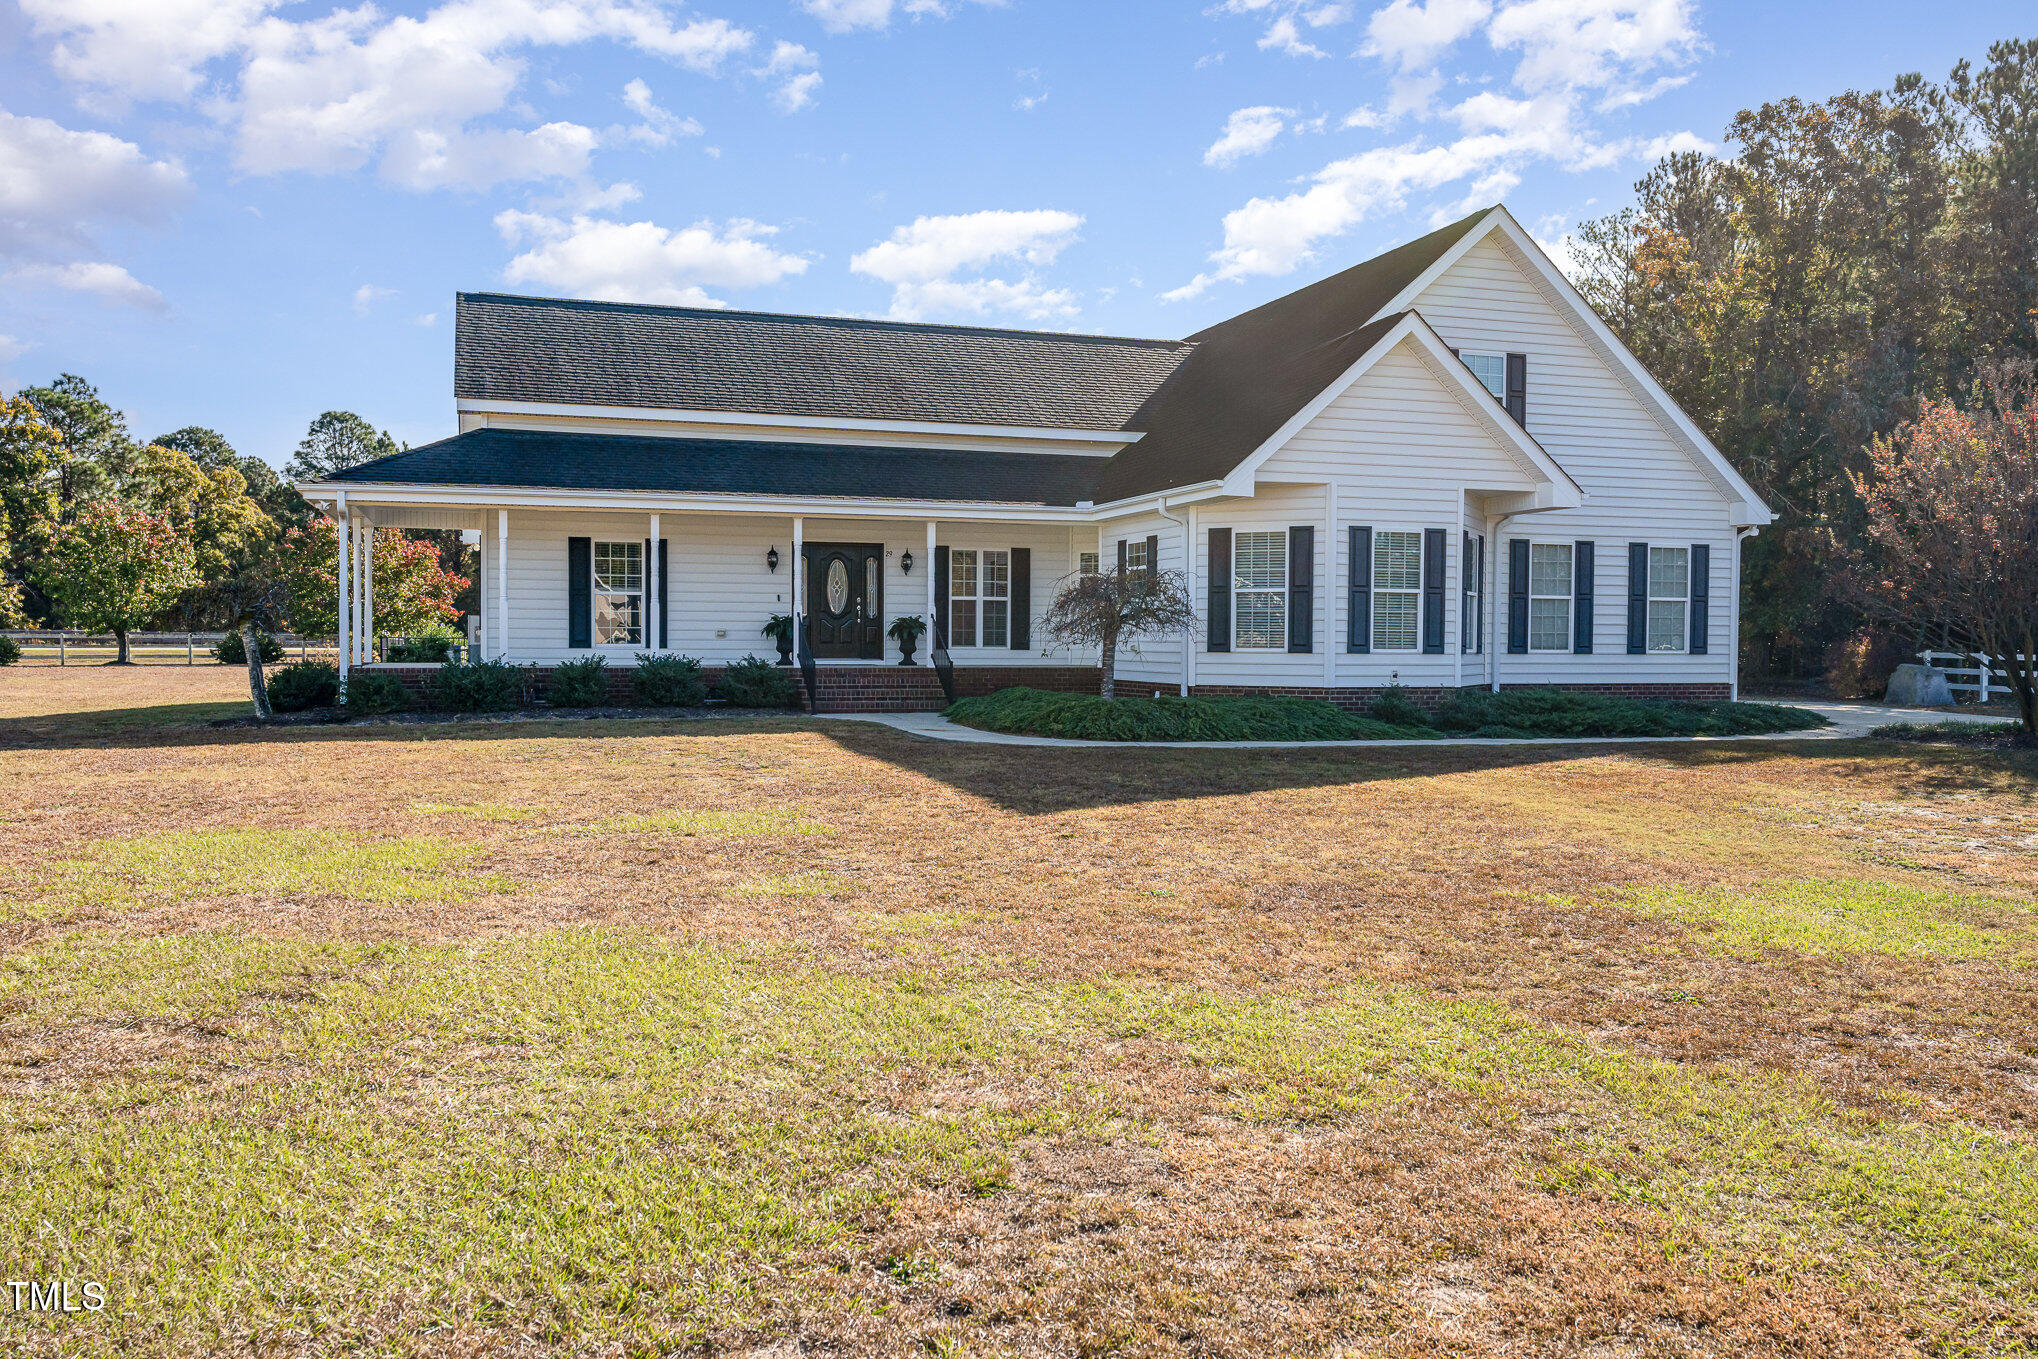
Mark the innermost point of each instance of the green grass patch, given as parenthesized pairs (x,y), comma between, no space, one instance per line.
(1842,917)
(190,865)
(710,822)
(1086,717)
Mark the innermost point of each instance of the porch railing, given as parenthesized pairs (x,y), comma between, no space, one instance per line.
(937,656)
(806,660)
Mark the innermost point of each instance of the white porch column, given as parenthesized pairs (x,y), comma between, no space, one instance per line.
(342,623)
(653,639)
(502,583)
(367,589)
(1330,584)
(360,600)
(931,642)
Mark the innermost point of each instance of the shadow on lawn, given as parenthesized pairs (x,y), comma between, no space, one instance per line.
(1036,779)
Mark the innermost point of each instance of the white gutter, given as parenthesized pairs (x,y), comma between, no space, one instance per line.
(666,415)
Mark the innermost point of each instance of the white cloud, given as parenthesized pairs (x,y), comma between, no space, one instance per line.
(585,256)
(1675,143)
(56,182)
(1247,133)
(1287,21)
(144,49)
(1412,33)
(429,318)
(1035,90)
(843,16)
(797,70)
(475,159)
(368,294)
(659,126)
(922,261)
(106,281)
(1574,44)
(1411,94)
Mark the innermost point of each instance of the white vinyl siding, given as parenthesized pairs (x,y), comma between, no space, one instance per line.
(1397,589)
(1669,597)
(1259,596)
(1549,597)
(618,594)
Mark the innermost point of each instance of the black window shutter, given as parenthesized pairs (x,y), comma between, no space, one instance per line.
(1638,598)
(1701,596)
(1153,557)
(1218,584)
(940,598)
(1465,568)
(1359,591)
(1021,630)
(1121,556)
(1517,595)
(656,640)
(1302,588)
(580,592)
(1517,388)
(1581,599)
(1433,591)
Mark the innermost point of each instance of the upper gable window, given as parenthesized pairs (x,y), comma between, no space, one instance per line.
(1490,369)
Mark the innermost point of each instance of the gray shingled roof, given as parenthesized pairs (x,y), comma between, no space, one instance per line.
(1203,404)
(619,462)
(685,358)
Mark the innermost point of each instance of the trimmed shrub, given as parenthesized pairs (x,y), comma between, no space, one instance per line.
(580,684)
(304,685)
(229,651)
(754,682)
(1088,717)
(1562,712)
(1397,709)
(10,651)
(668,681)
(372,692)
(478,687)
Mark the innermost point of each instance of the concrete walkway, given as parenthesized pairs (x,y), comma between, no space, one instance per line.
(1849,720)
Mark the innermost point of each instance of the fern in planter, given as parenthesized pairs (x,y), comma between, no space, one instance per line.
(907,630)
(580,684)
(779,628)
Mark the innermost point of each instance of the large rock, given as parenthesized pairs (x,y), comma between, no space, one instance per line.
(1918,686)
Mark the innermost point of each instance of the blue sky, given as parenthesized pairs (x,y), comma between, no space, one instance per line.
(240,213)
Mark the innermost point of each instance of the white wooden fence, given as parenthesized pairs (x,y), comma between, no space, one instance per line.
(50,647)
(1971,672)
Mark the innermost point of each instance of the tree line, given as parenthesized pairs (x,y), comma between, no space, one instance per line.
(1837,271)
(103,531)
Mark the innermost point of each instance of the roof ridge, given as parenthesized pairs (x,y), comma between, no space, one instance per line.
(871,322)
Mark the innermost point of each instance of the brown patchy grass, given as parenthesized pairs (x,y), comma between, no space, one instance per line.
(809,1038)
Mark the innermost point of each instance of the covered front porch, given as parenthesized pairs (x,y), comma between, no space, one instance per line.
(561,582)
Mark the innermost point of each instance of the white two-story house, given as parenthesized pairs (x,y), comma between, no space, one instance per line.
(1437,468)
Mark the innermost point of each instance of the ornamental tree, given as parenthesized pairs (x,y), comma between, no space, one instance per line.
(114,567)
(412,590)
(1106,608)
(29,448)
(1952,525)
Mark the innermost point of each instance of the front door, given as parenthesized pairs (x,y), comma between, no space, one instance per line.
(845,600)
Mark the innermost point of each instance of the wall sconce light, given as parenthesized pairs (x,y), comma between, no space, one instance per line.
(906,562)
(771,559)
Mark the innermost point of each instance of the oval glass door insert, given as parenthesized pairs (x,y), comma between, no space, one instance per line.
(838,586)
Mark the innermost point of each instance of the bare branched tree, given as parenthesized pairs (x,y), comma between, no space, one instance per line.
(1109,607)
(1952,525)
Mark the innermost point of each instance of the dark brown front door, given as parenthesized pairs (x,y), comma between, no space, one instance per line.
(845,600)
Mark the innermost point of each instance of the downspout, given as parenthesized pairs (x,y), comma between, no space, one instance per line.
(1188,569)
(1495,646)
(1741,535)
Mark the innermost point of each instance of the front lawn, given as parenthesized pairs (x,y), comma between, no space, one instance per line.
(780,1037)
(1515,713)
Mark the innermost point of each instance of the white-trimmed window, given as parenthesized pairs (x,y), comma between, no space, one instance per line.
(1086,563)
(1259,591)
(1669,598)
(1397,589)
(1490,369)
(1135,556)
(1472,634)
(979,596)
(1549,596)
(619,594)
